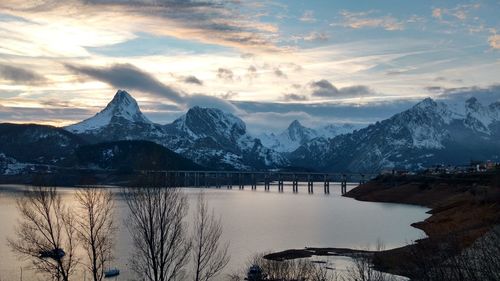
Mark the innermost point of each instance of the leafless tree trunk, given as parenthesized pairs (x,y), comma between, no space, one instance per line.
(209,256)
(46,233)
(157,226)
(96,228)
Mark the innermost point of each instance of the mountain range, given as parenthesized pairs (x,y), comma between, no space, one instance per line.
(427,134)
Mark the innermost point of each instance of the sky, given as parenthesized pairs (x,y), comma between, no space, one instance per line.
(268,62)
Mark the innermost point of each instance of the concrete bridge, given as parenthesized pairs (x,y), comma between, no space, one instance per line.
(241,179)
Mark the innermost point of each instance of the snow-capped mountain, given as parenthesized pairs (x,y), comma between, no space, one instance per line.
(427,134)
(121,119)
(123,108)
(208,136)
(296,135)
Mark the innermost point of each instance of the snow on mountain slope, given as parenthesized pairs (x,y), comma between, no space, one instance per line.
(123,106)
(296,135)
(210,135)
(427,134)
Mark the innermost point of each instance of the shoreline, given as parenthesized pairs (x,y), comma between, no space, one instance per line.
(462,207)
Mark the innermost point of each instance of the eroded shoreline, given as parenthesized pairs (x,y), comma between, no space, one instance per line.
(463,208)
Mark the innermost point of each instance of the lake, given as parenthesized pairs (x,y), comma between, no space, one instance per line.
(256,221)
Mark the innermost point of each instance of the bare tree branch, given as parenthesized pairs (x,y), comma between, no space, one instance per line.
(209,256)
(156,223)
(46,234)
(96,229)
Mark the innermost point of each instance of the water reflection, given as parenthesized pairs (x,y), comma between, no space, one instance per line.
(257,221)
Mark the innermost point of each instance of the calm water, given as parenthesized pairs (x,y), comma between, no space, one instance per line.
(257,221)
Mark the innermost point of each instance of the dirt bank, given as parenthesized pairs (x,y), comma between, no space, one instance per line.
(463,208)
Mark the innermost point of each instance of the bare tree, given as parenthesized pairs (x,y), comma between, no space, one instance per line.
(209,256)
(290,270)
(362,268)
(96,228)
(45,234)
(157,226)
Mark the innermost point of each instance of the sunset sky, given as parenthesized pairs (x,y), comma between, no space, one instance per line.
(268,62)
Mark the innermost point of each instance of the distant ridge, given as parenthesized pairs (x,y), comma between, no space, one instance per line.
(430,133)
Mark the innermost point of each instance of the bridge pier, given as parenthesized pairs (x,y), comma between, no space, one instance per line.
(254,182)
(229,181)
(343,185)
(310,184)
(240,181)
(295,184)
(217,182)
(280,183)
(327,184)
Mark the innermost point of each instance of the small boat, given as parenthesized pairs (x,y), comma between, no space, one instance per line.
(254,273)
(111,273)
(55,254)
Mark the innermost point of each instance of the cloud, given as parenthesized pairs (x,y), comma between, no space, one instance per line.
(96,22)
(247,56)
(358,20)
(494,41)
(316,37)
(460,12)
(211,101)
(229,95)
(192,80)
(487,94)
(323,88)
(313,36)
(20,75)
(308,16)
(225,74)
(128,76)
(279,73)
(437,13)
(252,72)
(294,97)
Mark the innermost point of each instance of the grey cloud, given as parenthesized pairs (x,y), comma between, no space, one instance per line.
(323,88)
(228,95)
(247,55)
(252,72)
(484,94)
(225,74)
(356,91)
(41,115)
(20,75)
(192,80)
(294,97)
(443,79)
(279,73)
(128,76)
